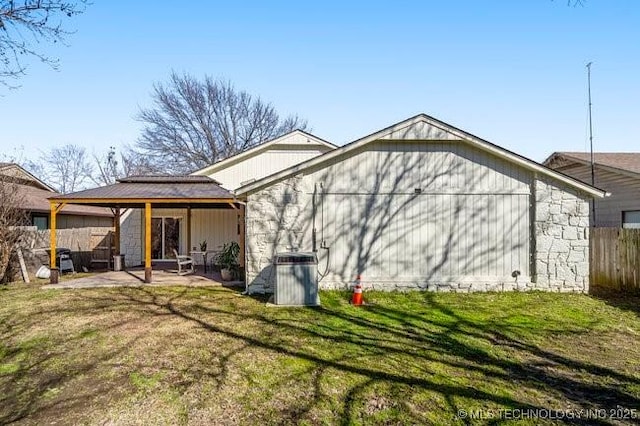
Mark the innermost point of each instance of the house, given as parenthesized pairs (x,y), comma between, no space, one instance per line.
(617,173)
(187,227)
(422,205)
(34,194)
(418,205)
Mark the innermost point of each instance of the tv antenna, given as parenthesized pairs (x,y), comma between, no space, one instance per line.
(593,174)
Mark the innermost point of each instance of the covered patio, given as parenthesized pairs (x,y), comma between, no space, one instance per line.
(149,193)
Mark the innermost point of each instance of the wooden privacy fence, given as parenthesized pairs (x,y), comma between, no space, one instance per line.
(90,247)
(615,260)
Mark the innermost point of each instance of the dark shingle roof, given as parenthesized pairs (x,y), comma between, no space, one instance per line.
(167,179)
(36,200)
(155,187)
(629,161)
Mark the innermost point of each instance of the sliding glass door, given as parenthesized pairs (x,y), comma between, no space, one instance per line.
(165,237)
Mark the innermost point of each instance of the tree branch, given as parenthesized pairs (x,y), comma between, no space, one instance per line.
(28,23)
(195,123)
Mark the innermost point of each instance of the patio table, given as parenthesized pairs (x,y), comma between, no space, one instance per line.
(203,255)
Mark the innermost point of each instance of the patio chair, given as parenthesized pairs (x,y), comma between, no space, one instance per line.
(185,263)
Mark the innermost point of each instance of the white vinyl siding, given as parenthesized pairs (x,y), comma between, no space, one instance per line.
(266,159)
(625,192)
(264,164)
(425,237)
(469,218)
(438,167)
(216,227)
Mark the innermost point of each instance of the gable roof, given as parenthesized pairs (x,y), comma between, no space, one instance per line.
(627,163)
(16,171)
(424,127)
(281,140)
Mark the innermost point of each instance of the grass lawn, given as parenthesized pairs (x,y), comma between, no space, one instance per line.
(211,356)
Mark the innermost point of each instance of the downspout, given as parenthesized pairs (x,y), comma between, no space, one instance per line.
(244,237)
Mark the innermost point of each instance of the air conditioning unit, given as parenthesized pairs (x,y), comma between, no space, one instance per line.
(296,279)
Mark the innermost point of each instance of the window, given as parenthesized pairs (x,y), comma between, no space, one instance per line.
(165,237)
(631,219)
(41,222)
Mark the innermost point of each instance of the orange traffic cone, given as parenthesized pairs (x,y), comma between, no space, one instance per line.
(356,300)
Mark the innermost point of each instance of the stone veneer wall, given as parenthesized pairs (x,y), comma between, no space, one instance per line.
(277,215)
(561,238)
(131,237)
(275,222)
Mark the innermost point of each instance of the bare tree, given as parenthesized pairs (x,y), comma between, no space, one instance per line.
(66,168)
(138,164)
(11,218)
(18,156)
(195,123)
(110,167)
(575,3)
(27,23)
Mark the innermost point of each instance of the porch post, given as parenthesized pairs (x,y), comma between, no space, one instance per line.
(241,237)
(147,243)
(116,225)
(53,278)
(188,230)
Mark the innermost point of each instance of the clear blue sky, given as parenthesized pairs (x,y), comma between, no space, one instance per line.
(510,71)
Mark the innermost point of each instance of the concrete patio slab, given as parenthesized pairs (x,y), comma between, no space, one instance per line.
(135,278)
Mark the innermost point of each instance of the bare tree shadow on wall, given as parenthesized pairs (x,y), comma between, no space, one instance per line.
(422,213)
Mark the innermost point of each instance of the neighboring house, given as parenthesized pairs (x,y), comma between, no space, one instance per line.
(266,158)
(422,205)
(34,195)
(616,172)
(185,228)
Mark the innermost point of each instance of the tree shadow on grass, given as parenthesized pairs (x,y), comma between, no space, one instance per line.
(626,302)
(424,344)
(356,363)
(34,376)
(34,368)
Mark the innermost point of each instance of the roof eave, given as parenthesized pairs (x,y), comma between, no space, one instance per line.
(36,180)
(464,136)
(115,200)
(612,169)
